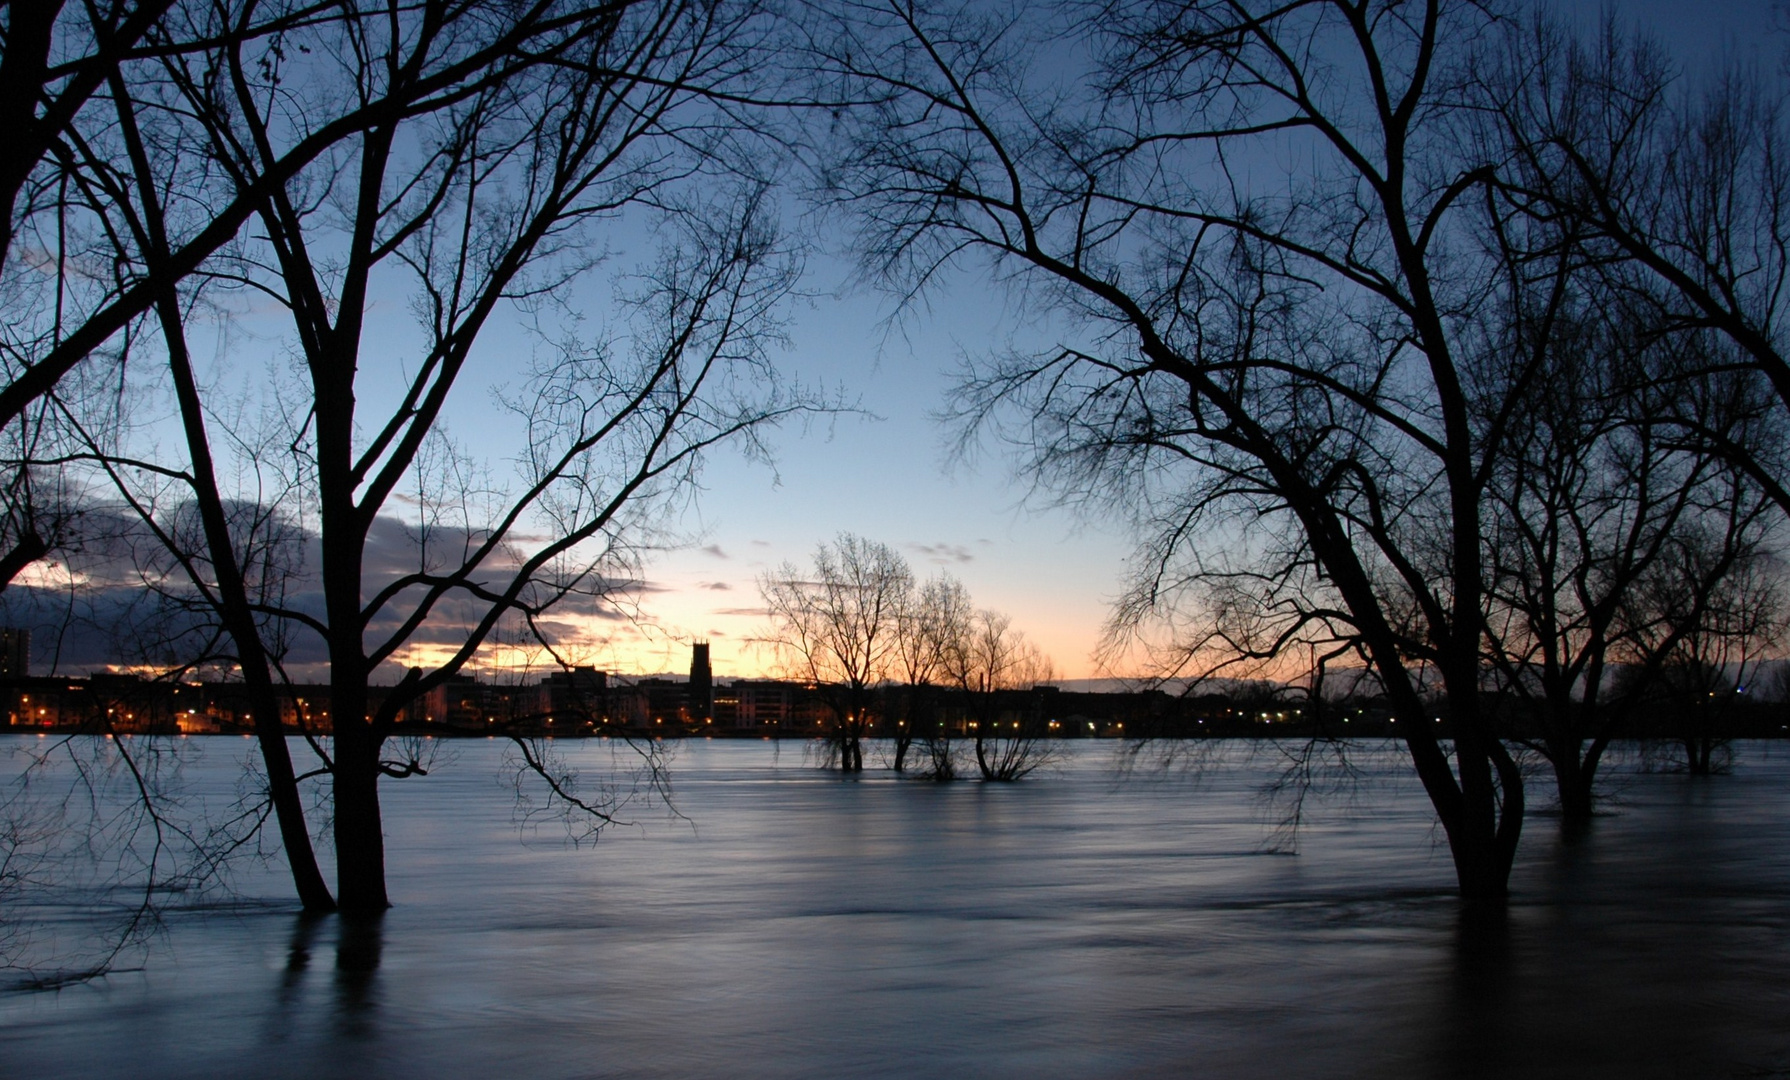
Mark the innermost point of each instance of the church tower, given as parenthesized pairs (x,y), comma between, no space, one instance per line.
(702,683)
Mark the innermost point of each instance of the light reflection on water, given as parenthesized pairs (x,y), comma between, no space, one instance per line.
(1074,925)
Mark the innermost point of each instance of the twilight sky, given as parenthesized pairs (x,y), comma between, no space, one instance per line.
(882,473)
(885,477)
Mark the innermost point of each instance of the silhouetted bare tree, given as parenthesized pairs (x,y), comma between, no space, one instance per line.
(1591,509)
(492,145)
(1716,625)
(1290,349)
(990,663)
(74,278)
(1680,189)
(925,618)
(834,626)
(56,58)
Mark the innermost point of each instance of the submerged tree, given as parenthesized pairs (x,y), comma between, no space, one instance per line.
(1285,348)
(1648,434)
(1310,303)
(989,663)
(857,629)
(497,143)
(926,620)
(1591,507)
(1721,627)
(1320,287)
(834,626)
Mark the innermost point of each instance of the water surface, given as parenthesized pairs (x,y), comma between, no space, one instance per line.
(796,924)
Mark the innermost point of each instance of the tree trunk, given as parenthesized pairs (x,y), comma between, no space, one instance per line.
(233,604)
(289,812)
(851,756)
(1483,877)
(1573,780)
(1697,755)
(1481,808)
(904,728)
(30,38)
(360,832)
(1481,812)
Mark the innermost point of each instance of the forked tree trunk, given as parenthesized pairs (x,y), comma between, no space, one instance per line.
(1484,818)
(904,729)
(1478,800)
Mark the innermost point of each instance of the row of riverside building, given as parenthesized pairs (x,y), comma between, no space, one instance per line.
(582,700)
(576,701)
(587,701)
(579,700)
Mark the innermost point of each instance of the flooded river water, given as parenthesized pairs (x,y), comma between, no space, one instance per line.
(795,924)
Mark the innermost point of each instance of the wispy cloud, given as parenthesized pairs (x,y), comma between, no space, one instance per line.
(715,550)
(944,554)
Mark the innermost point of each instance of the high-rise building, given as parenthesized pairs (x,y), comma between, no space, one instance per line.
(15,653)
(702,683)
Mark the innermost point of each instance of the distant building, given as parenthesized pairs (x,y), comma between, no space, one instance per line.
(15,653)
(460,701)
(661,701)
(771,704)
(576,697)
(700,700)
(727,706)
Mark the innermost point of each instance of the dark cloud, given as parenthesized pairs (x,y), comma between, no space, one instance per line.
(100,604)
(715,586)
(944,554)
(715,550)
(396,547)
